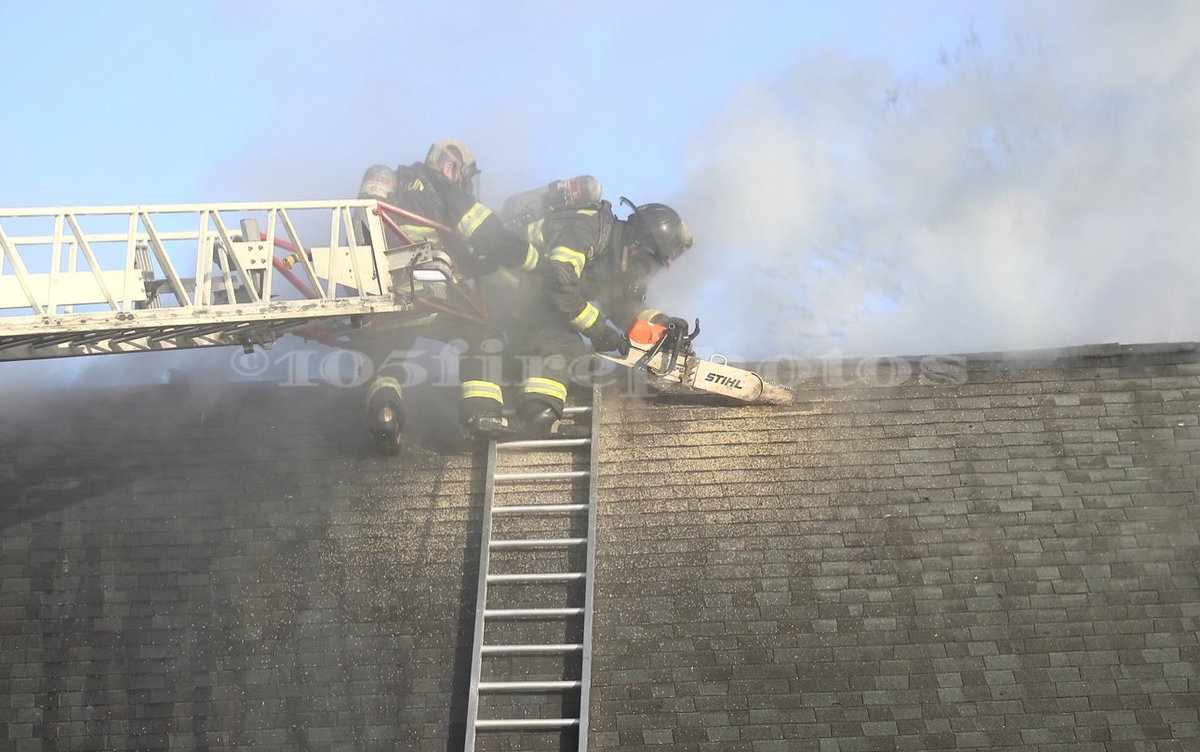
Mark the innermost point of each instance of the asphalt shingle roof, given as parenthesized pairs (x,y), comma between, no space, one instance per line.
(990,553)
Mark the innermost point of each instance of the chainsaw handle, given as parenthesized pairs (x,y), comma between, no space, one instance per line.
(647,356)
(676,341)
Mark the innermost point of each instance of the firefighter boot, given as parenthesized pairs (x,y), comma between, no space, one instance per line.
(489,427)
(538,419)
(385,416)
(385,422)
(541,421)
(480,408)
(482,421)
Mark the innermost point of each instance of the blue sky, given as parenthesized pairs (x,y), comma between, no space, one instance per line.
(127,102)
(862,177)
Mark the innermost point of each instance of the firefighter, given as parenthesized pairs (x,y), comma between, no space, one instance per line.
(592,277)
(442,189)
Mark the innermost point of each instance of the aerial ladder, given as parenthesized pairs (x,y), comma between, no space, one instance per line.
(115,279)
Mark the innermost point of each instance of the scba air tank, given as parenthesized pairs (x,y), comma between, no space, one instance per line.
(539,202)
(379,182)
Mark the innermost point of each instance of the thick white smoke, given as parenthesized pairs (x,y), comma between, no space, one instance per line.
(1038,191)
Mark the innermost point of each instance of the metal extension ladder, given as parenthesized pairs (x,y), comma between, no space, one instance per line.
(533,614)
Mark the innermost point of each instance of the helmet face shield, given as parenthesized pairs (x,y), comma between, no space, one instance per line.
(677,244)
(468,177)
(662,230)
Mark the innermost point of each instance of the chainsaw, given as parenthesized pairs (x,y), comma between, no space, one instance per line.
(664,351)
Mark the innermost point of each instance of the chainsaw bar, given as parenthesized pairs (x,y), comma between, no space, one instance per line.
(712,376)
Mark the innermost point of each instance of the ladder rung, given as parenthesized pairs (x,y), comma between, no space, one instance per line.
(544,444)
(569,410)
(540,577)
(520,723)
(537,542)
(518,649)
(530,613)
(538,508)
(527,686)
(548,475)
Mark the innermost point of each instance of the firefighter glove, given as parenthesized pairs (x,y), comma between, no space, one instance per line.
(607,339)
(480,265)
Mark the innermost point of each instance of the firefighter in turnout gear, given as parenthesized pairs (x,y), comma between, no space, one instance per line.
(592,276)
(442,189)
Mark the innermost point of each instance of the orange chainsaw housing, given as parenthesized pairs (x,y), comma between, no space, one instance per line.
(642,332)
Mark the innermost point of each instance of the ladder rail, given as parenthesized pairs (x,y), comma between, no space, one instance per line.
(489,492)
(585,677)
